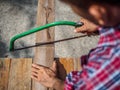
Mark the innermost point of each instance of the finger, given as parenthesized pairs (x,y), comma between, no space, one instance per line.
(34,77)
(38,66)
(80,30)
(34,74)
(77,30)
(37,78)
(35,70)
(35,66)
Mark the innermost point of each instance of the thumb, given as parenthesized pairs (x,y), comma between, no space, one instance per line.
(80,30)
(54,66)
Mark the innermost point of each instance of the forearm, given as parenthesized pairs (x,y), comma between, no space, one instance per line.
(58,84)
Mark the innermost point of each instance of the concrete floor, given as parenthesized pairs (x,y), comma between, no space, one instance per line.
(17,16)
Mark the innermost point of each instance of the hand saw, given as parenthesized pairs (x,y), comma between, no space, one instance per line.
(57,23)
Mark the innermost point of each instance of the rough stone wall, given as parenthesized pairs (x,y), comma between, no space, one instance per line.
(17,16)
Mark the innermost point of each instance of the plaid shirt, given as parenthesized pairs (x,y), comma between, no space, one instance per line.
(102,71)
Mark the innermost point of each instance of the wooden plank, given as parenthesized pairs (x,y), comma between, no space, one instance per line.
(4,73)
(19,76)
(20,72)
(44,55)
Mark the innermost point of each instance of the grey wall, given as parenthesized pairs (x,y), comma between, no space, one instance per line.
(17,16)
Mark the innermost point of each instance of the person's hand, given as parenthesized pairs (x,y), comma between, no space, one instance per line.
(88,27)
(47,76)
(44,75)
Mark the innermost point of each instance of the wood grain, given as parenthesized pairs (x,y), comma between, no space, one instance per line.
(20,72)
(44,55)
(15,73)
(4,73)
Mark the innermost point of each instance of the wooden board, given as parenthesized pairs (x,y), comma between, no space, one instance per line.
(45,54)
(20,72)
(15,73)
(4,73)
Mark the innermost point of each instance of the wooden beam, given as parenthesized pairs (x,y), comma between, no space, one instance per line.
(44,54)
(4,73)
(20,72)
